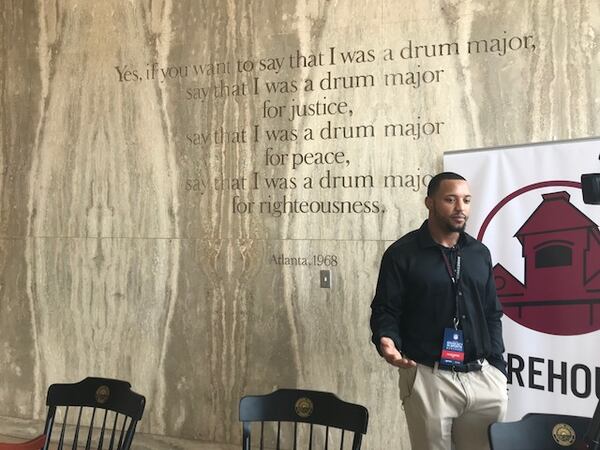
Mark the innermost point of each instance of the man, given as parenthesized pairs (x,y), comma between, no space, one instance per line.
(436,316)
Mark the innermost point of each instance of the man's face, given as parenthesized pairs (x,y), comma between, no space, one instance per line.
(449,206)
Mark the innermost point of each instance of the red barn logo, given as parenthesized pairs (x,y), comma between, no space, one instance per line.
(561,256)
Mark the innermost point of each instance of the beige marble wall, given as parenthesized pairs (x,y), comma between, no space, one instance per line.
(111,265)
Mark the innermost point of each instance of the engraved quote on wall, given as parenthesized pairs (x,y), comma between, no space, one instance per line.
(302,102)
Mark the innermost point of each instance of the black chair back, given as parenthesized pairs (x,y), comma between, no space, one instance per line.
(540,432)
(96,413)
(309,407)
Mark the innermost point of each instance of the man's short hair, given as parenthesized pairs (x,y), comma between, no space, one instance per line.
(434,183)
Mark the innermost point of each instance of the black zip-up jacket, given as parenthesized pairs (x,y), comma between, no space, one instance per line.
(415,300)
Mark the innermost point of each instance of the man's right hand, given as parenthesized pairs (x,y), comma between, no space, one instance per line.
(392,355)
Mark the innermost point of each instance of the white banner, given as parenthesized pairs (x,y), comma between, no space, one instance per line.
(545,244)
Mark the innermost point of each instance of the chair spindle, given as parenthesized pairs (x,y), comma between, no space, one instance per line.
(101,437)
(88,444)
(61,441)
(113,431)
(278,447)
(262,432)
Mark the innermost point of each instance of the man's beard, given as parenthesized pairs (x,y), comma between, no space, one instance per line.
(450,226)
(454,228)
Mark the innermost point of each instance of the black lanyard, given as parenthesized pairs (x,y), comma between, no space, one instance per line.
(455,278)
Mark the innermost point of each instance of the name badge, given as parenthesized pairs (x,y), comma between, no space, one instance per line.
(453,350)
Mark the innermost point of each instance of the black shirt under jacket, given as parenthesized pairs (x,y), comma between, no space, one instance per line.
(415,300)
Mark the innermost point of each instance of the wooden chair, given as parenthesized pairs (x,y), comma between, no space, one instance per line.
(96,413)
(303,407)
(540,432)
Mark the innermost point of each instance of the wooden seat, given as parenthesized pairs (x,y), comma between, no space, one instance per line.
(33,444)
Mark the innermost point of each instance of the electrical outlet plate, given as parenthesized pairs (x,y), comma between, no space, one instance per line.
(326,279)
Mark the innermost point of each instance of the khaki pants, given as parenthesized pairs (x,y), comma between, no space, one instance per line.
(447,410)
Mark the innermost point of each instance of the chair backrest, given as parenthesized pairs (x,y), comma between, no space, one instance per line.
(303,407)
(96,413)
(540,432)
